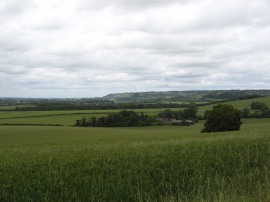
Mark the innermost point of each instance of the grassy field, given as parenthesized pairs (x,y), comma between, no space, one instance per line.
(239,104)
(68,117)
(64,117)
(40,163)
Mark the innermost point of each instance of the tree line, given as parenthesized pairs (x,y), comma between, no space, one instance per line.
(101,106)
(123,118)
(128,118)
(189,113)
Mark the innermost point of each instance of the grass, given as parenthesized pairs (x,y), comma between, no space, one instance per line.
(239,104)
(68,117)
(135,164)
(65,117)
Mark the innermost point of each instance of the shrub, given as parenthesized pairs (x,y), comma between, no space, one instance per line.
(222,118)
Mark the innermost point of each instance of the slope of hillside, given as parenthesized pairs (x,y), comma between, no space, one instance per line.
(239,104)
(187,96)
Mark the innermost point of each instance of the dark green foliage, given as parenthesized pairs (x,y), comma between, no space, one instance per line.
(168,113)
(258,106)
(189,113)
(206,114)
(245,113)
(261,108)
(127,118)
(123,118)
(222,118)
(234,94)
(250,96)
(94,106)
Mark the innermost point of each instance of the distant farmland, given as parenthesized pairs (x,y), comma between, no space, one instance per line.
(157,163)
(64,117)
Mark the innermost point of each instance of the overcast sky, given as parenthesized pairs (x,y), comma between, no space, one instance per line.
(88,48)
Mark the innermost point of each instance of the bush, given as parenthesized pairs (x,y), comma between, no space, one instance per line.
(222,118)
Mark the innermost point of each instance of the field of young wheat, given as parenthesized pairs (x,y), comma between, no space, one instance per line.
(135,164)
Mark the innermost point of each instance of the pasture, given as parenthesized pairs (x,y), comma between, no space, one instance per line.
(159,163)
(64,117)
(68,117)
(239,104)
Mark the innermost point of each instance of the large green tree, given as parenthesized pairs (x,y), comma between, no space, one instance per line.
(223,117)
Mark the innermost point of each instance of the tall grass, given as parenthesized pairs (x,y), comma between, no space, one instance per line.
(138,164)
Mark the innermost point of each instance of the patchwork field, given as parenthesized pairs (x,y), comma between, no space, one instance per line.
(64,117)
(161,163)
(40,163)
(68,117)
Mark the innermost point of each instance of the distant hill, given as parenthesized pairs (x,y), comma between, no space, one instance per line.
(187,96)
(133,100)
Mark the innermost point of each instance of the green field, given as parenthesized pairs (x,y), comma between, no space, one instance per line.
(39,163)
(160,163)
(64,117)
(239,104)
(68,117)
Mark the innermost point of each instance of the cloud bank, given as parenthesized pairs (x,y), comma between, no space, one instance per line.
(87,48)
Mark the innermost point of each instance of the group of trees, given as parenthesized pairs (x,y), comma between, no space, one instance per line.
(123,118)
(189,113)
(223,117)
(233,95)
(127,118)
(261,110)
(256,110)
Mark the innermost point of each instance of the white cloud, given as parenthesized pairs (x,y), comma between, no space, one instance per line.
(91,48)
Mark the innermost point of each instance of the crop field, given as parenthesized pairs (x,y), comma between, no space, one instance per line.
(64,117)
(39,163)
(68,117)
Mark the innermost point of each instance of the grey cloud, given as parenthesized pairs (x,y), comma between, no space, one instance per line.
(90,48)
(12,42)
(146,4)
(13,70)
(233,13)
(188,76)
(15,7)
(48,26)
(208,15)
(196,64)
(123,5)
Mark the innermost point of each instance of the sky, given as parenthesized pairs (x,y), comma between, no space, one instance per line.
(90,48)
